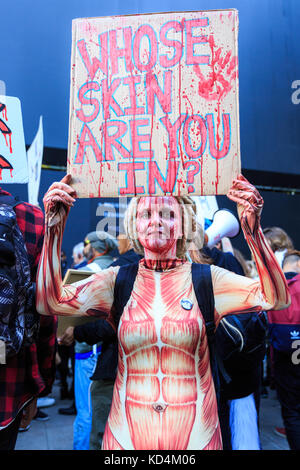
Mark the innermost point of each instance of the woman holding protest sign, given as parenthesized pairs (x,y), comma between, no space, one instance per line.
(164,395)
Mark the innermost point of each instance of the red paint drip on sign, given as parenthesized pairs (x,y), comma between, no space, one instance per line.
(10,145)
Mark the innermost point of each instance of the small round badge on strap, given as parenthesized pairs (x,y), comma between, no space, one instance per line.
(187,304)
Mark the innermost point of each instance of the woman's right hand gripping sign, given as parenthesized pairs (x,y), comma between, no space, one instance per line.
(249,202)
(58,200)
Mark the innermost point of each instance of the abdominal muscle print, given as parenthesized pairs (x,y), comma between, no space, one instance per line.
(164,396)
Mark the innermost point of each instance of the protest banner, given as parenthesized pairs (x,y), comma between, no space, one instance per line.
(34,158)
(154,104)
(13,160)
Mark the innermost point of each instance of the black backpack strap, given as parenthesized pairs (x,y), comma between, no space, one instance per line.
(202,282)
(123,287)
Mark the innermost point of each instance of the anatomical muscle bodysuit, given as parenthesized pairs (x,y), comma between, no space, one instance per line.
(164,396)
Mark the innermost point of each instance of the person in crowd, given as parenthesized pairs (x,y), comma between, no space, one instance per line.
(239,399)
(105,373)
(31,372)
(284,330)
(42,402)
(79,260)
(126,252)
(63,263)
(245,263)
(279,241)
(164,396)
(98,249)
(67,352)
(46,401)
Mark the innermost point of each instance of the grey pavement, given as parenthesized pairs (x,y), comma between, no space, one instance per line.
(57,432)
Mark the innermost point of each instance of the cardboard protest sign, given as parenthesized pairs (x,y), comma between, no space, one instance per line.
(154,104)
(34,158)
(13,160)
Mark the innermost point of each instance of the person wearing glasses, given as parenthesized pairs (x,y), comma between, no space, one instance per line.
(97,250)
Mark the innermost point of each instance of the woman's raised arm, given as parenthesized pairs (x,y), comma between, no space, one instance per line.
(88,297)
(235,293)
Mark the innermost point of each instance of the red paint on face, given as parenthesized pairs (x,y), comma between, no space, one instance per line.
(159,225)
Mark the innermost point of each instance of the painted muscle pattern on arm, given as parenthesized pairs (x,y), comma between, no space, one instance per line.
(238,294)
(88,297)
(273,282)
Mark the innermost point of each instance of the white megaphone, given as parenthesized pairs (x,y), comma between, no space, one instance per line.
(224,224)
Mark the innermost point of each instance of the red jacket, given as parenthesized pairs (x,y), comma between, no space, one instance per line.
(284,325)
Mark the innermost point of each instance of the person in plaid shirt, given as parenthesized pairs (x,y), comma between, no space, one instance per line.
(31,372)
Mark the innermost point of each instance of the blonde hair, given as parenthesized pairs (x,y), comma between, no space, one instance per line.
(200,257)
(189,225)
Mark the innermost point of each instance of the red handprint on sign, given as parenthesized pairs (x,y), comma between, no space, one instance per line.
(221,77)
